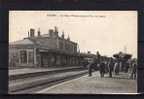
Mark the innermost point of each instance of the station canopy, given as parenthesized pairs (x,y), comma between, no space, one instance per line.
(122,55)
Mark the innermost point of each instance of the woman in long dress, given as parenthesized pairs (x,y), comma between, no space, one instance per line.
(116,68)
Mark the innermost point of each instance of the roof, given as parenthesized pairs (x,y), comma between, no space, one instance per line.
(41,42)
(87,55)
(22,42)
(122,55)
(45,35)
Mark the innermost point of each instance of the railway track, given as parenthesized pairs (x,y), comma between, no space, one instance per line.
(36,82)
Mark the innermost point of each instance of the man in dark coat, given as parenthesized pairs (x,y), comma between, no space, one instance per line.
(110,67)
(102,68)
(133,73)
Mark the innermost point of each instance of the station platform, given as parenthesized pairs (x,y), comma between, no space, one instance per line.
(118,84)
(36,70)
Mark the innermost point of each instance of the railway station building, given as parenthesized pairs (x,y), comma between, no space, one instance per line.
(44,50)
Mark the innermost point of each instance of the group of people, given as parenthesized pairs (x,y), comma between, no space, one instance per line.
(111,66)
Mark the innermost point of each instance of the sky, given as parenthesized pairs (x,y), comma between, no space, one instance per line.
(105,31)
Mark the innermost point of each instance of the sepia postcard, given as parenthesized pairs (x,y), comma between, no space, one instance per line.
(72,52)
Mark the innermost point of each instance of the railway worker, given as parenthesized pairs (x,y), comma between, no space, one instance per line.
(110,67)
(102,68)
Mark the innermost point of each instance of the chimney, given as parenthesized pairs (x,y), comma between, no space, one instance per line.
(32,32)
(56,29)
(28,33)
(39,33)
